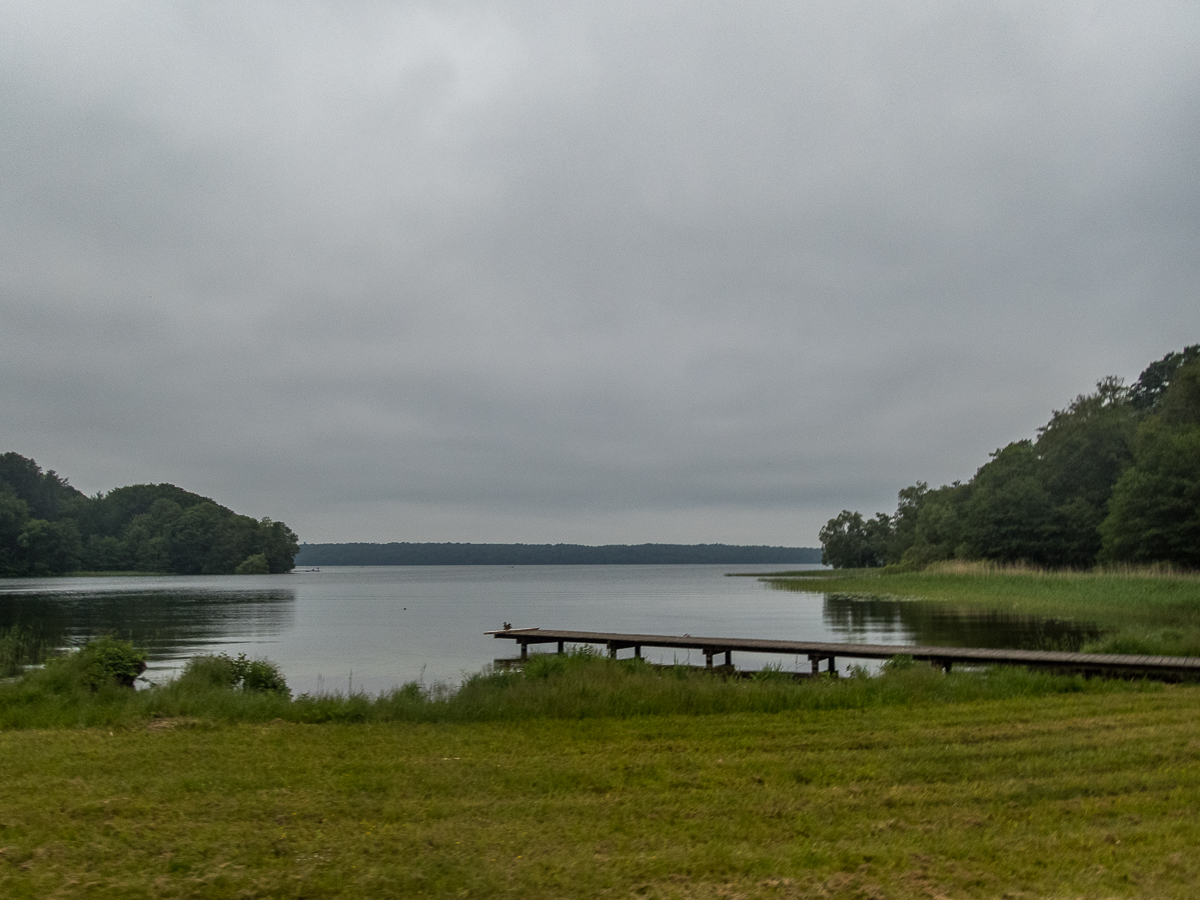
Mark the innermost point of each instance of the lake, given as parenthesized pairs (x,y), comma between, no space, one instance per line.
(372,628)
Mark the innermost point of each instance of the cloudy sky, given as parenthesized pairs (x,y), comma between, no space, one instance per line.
(585,272)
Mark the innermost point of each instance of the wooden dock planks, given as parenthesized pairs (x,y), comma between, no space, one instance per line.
(1171,667)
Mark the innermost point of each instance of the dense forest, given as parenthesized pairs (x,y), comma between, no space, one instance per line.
(1113,478)
(48,527)
(405,554)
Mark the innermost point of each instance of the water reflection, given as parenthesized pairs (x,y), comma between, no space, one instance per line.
(865,619)
(170,624)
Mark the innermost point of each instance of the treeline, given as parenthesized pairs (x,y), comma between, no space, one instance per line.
(405,554)
(1113,478)
(48,527)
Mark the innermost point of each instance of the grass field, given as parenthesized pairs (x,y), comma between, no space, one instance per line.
(1078,795)
(1145,612)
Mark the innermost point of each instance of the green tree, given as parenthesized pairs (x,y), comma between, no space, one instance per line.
(1082,452)
(253,565)
(1155,510)
(104,553)
(1156,378)
(279,545)
(850,542)
(938,533)
(48,496)
(48,527)
(50,548)
(904,522)
(1007,514)
(14,514)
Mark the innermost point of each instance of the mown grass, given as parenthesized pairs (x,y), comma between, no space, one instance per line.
(1143,611)
(1074,795)
(581,776)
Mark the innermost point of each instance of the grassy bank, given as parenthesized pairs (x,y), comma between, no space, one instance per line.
(1077,795)
(1141,611)
(574,686)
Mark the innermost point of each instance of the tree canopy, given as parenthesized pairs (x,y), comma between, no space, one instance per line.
(1113,477)
(48,527)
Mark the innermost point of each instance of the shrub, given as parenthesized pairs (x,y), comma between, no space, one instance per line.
(98,663)
(223,671)
(253,565)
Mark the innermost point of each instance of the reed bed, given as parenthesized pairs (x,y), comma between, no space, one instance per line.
(1144,610)
(21,647)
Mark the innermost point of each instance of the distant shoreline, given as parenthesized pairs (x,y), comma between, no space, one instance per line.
(447,554)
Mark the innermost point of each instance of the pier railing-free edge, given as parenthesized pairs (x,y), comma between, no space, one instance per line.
(1165,667)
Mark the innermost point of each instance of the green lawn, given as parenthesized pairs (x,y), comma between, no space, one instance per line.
(1081,795)
(1142,612)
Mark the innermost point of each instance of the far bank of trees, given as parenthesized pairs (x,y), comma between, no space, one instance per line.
(48,527)
(1114,477)
(406,554)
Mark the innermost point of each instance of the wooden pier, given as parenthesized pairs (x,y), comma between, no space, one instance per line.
(1170,668)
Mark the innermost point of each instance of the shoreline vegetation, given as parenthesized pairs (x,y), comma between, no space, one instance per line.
(1148,610)
(90,688)
(1114,478)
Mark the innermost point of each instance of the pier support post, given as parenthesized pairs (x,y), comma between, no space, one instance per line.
(708,655)
(832,666)
(562,647)
(612,651)
(816,664)
(729,657)
(637,651)
(524,650)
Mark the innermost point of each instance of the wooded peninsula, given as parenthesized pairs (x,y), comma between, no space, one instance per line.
(48,527)
(1112,479)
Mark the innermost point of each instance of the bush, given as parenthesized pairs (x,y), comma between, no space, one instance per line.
(253,565)
(223,671)
(98,663)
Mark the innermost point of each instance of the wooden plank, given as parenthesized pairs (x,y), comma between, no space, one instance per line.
(818,650)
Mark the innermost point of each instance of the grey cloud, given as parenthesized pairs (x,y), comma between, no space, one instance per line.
(620,272)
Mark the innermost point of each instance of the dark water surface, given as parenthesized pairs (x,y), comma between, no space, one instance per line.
(376,627)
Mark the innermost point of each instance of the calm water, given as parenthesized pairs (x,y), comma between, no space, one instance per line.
(376,627)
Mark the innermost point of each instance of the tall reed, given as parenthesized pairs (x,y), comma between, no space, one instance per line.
(20,646)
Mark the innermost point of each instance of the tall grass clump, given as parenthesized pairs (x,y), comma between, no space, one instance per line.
(223,672)
(89,685)
(584,686)
(20,646)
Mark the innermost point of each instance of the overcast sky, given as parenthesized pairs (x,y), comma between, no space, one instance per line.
(605,272)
